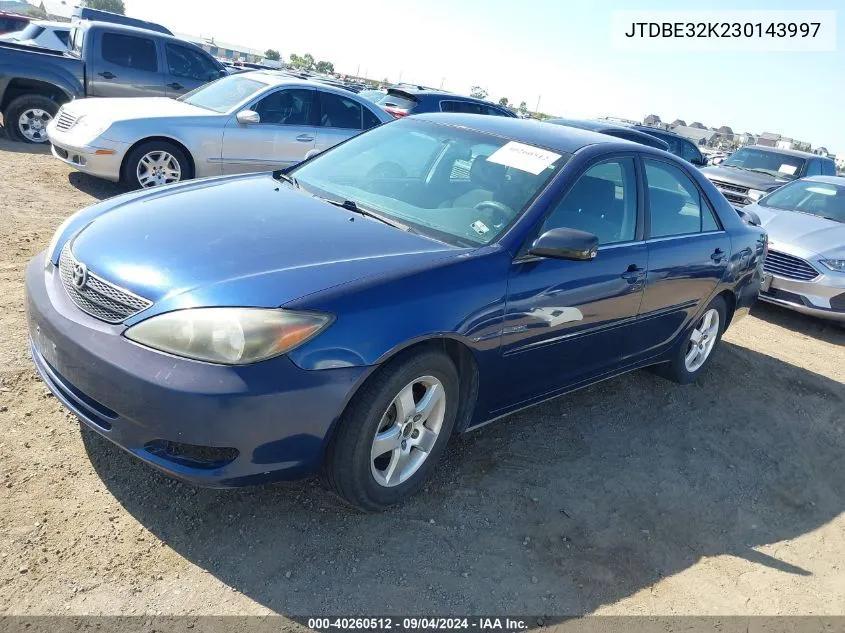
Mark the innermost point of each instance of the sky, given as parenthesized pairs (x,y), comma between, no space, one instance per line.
(555,52)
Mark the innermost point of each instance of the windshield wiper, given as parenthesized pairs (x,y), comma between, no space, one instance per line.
(281,175)
(351,205)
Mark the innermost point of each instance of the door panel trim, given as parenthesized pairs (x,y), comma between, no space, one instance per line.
(605,327)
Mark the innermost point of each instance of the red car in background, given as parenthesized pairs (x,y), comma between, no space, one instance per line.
(10,22)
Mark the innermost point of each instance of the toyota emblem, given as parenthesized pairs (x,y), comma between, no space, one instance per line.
(80,275)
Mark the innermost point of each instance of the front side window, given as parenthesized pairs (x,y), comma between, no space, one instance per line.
(455,185)
(224,94)
(129,51)
(689,152)
(805,196)
(286,107)
(187,62)
(339,112)
(771,163)
(603,202)
(677,207)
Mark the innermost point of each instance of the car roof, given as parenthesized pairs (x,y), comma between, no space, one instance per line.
(422,91)
(608,127)
(560,138)
(125,28)
(787,152)
(647,129)
(829,180)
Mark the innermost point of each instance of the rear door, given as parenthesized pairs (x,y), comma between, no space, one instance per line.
(688,254)
(187,68)
(340,118)
(125,65)
(286,133)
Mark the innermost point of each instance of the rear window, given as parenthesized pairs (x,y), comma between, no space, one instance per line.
(129,51)
(397,99)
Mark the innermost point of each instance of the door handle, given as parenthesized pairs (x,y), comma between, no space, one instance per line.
(718,255)
(175,85)
(107,75)
(634,273)
(304,138)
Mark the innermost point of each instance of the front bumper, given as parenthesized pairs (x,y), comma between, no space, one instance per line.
(207,424)
(823,297)
(85,158)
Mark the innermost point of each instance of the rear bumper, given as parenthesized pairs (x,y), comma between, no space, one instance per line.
(207,424)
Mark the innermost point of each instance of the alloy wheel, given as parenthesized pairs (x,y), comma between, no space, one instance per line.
(32,124)
(158,168)
(408,431)
(702,340)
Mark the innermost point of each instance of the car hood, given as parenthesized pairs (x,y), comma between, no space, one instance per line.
(802,231)
(248,240)
(743,178)
(130,109)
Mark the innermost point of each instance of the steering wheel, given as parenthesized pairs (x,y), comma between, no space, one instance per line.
(501,214)
(387,169)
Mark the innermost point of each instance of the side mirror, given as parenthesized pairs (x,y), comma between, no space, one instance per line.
(566,244)
(223,72)
(248,117)
(749,217)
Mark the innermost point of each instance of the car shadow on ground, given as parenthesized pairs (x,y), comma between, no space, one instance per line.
(821,329)
(558,510)
(95,187)
(15,147)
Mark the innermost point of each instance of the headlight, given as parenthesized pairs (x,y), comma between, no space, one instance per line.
(231,336)
(755,194)
(89,128)
(835,264)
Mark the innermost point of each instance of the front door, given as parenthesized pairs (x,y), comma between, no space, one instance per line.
(285,134)
(688,255)
(126,66)
(567,321)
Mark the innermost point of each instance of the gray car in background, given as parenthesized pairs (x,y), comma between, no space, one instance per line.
(805,266)
(253,121)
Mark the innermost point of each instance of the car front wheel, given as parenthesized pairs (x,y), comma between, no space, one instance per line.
(154,164)
(394,431)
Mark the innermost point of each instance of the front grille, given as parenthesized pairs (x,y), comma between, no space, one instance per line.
(789,266)
(98,297)
(735,194)
(65,121)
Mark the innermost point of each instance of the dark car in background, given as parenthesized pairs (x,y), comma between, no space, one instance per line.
(678,145)
(105,60)
(752,172)
(405,99)
(612,129)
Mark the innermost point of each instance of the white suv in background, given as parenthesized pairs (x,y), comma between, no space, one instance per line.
(54,35)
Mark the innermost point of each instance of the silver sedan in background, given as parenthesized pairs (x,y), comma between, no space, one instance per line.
(805,266)
(248,122)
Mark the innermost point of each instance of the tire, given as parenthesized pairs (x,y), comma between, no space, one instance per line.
(168,159)
(371,481)
(679,369)
(28,107)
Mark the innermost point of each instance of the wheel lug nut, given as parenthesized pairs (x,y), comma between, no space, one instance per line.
(415,434)
(417,418)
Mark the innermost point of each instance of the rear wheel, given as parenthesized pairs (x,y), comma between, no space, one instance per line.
(390,438)
(695,353)
(26,118)
(155,163)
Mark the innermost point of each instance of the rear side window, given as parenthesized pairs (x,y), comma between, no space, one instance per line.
(370,119)
(64,36)
(339,112)
(465,107)
(183,61)
(677,207)
(129,51)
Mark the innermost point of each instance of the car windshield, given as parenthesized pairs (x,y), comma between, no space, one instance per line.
(459,186)
(806,196)
(772,163)
(224,94)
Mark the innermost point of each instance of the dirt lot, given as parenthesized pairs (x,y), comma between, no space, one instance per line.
(635,496)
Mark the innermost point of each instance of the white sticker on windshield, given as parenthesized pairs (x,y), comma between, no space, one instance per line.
(787,169)
(523,157)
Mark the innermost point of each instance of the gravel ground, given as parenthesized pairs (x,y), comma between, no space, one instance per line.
(635,496)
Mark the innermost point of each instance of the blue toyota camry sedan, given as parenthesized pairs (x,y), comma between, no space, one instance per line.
(350,314)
